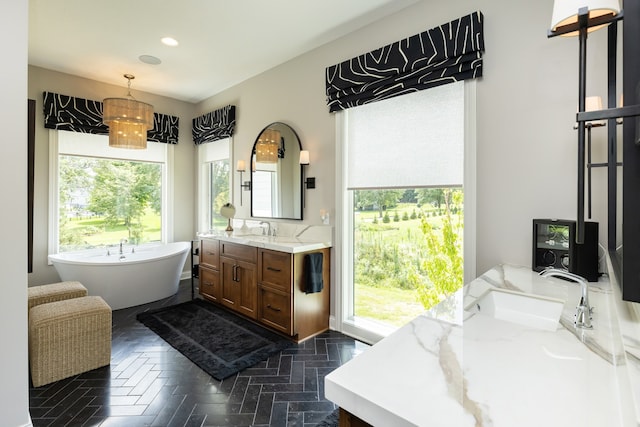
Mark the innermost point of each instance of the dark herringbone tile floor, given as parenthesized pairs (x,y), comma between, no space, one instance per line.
(151,384)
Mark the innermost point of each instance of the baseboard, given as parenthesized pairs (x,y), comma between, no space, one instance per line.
(332,323)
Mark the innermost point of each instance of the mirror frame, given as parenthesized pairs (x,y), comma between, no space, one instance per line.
(301,184)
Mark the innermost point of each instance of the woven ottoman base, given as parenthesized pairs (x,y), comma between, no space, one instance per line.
(68,337)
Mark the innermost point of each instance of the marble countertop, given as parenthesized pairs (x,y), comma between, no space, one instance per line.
(291,238)
(455,367)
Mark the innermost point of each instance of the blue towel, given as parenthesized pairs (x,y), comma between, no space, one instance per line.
(312,271)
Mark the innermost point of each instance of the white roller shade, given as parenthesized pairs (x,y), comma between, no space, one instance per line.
(217,150)
(91,145)
(420,145)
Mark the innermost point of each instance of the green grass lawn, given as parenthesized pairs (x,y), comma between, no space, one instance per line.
(389,305)
(391,253)
(96,233)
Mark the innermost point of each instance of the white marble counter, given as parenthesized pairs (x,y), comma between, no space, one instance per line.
(451,367)
(290,238)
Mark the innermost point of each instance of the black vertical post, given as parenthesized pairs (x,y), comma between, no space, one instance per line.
(583,18)
(588,126)
(612,151)
(631,155)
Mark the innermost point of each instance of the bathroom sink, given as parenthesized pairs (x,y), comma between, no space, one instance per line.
(524,309)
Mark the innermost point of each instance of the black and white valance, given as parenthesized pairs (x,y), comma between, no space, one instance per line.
(445,54)
(64,112)
(218,124)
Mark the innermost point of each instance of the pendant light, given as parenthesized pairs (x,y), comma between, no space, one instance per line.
(128,120)
(267,146)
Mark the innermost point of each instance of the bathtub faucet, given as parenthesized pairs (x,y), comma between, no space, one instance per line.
(121,242)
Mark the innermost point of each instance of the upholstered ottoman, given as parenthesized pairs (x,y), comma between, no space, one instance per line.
(68,337)
(55,292)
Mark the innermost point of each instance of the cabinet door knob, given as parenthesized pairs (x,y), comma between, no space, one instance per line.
(277,270)
(273,308)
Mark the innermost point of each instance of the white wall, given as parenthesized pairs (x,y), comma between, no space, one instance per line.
(183,192)
(526,103)
(14,393)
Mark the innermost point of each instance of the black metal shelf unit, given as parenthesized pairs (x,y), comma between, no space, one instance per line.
(626,267)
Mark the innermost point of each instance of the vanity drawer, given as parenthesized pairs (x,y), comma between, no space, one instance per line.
(239,252)
(274,269)
(275,309)
(210,284)
(210,253)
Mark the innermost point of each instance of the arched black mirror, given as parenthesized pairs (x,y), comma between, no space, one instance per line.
(276,174)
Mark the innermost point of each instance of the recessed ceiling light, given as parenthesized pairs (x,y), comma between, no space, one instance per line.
(148,59)
(169,41)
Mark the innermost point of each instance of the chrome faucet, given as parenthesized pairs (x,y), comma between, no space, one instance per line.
(121,242)
(268,233)
(583,310)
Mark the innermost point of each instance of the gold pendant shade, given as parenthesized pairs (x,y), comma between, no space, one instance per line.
(128,121)
(267,146)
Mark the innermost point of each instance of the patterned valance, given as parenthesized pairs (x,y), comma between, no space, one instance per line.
(64,112)
(218,124)
(445,54)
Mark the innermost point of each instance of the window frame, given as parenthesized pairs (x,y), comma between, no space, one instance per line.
(344,289)
(205,158)
(166,162)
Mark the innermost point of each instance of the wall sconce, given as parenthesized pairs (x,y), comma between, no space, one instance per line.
(567,14)
(240,167)
(309,182)
(304,161)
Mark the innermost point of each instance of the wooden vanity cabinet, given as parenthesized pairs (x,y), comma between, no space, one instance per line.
(266,286)
(282,301)
(209,270)
(274,290)
(238,274)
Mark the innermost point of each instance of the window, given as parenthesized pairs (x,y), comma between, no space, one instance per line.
(102,195)
(403,219)
(214,183)
(265,190)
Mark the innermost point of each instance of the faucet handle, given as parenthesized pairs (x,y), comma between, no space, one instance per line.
(583,318)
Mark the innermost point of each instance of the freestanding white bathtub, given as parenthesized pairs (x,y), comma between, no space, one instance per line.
(151,273)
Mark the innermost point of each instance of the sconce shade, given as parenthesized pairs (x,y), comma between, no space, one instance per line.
(304,157)
(128,120)
(565,12)
(593,103)
(267,146)
(240,166)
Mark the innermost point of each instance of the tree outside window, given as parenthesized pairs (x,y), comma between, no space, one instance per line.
(102,201)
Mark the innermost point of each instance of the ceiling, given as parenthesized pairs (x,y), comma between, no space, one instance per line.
(221,42)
